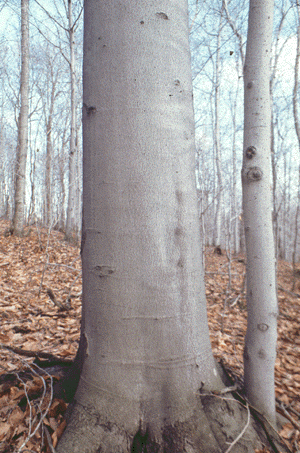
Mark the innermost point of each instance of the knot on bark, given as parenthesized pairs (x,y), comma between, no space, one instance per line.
(250,152)
(252,174)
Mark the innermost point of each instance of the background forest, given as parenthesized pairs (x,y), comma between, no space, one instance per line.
(217,37)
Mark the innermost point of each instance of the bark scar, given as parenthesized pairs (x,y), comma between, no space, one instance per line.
(89,110)
(262,327)
(103,271)
(162,16)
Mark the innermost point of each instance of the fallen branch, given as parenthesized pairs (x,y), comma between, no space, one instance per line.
(290,293)
(37,355)
(288,416)
(52,297)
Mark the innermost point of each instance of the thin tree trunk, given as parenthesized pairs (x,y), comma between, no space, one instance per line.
(31,210)
(235,216)
(219,201)
(296,235)
(71,211)
(297,129)
(48,196)
(296,80)
(234,212)
(20,167)
(260,342)
(235,30)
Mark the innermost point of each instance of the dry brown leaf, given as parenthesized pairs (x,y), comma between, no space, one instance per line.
(58,407)
(17,416)
(58,433)
(5,430)
(4,338)
(287,431)
(41,326)
(18,394)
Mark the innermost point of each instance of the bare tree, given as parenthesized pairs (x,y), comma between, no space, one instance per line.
(71,210)
(69,24)
(297,130)
(217,144)
(53,74)
(20,168)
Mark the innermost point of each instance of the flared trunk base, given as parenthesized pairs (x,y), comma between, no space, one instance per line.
(216,424)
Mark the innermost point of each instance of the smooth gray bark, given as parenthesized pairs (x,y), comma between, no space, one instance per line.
(260,342)
(296,80)
(49,152)
(217,144)
(297,130)
(21,156)
(71,209)
(144,326)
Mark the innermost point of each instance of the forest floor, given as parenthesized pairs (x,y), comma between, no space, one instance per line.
(40,298)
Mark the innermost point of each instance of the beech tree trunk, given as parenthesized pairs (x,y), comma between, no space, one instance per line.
(144,326)
(260,342)
(20,167)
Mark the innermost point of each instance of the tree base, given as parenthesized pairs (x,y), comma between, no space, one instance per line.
(218,423)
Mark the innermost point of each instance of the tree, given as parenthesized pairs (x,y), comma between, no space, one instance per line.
(50,92)
(20,168)
(144,345)
(71,210)
(67,17)
(297,128)
(217,146)
(140,240)
(260,342)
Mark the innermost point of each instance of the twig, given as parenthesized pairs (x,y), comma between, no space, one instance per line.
(246,405)
(262,419)
(68,299)
(242,432)
(42,415)
(49,440)
(287,415)
(47,255)
(64,265)
(51,295)
(235,301)
(32,431)
(290,293)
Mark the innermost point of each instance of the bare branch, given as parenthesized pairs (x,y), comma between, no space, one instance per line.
(235,30)
(50,16)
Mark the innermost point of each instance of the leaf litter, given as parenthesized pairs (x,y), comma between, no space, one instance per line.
(40,308)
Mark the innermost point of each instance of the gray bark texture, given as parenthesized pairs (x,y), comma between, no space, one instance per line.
(217,145)
(146,362)
(49,151)
(21,156)
(260,342)
(71,209)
